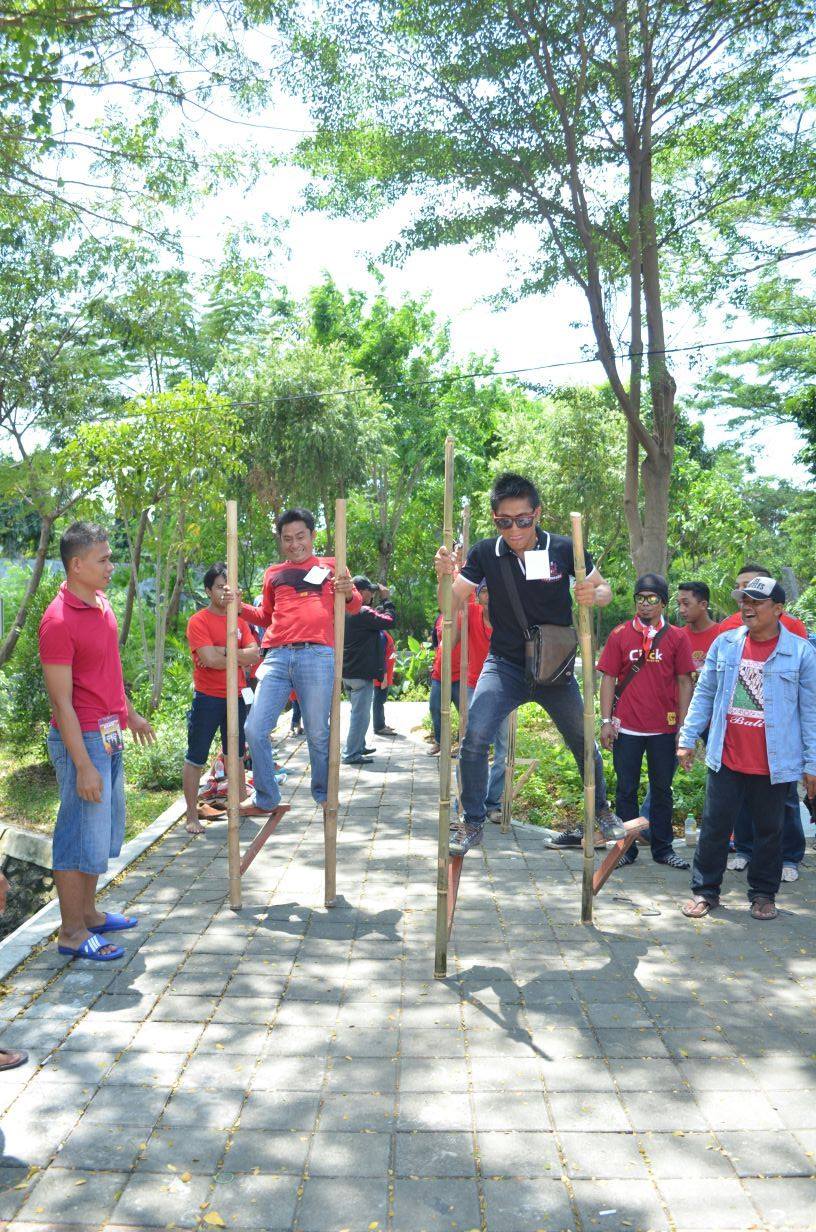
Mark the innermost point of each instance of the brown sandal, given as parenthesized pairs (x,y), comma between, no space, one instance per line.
(763,908)
(697,907)
(10,1058)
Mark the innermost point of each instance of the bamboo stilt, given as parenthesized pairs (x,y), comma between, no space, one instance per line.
(588,675)
(509,771)
(441,955)
(333,790)
(464,636)
(233,771)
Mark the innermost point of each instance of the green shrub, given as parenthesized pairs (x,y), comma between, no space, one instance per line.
(25,710)
(158,766)
(412,673)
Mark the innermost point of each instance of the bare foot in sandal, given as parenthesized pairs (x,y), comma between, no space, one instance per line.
(697,907)
(763,908)
(194,827)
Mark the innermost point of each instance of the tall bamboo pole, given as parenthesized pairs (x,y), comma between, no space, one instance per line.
(588,675)
(233,772)
(464,647)
(333,792)
(509,771)
(441,958)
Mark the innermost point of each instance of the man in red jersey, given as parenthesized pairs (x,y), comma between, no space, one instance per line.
(79,652)
(793,836)
(479,631)
(207,639)
(645,692)
(297,611)
(693,599)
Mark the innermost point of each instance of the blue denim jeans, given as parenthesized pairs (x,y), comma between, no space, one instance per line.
(495,783)
(309,670)
(435,704)
(87,835)
(661,760)
(727,793)
(361,695)
(378,708)
(793,836)
(502,688)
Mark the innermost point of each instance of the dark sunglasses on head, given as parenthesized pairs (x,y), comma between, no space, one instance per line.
(523,520)
(649,600)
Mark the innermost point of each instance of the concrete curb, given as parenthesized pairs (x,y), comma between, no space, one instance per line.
(17,946)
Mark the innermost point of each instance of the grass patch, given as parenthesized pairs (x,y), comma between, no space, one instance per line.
(29,798)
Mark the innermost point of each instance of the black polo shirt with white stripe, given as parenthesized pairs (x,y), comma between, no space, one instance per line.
(545,601)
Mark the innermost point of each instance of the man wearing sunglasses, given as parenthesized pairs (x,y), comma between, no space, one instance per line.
(645,691)
(542,565)
(757,690)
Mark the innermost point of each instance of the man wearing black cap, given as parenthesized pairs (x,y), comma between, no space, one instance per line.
(363,663)
(645,692)
(757,691)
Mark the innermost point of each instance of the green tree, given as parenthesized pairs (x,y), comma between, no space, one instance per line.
(644,144)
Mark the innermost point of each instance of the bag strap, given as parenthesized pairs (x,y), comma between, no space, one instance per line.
(636,666)
(513,594)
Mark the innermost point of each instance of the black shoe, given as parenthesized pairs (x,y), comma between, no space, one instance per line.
(384,731)
(672,860)
(628,857)
(367,751)
(359,761)
(569,838)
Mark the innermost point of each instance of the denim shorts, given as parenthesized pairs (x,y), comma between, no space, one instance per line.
(86,834)
(204,718)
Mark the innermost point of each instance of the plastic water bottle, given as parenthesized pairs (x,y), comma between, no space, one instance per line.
(690,830)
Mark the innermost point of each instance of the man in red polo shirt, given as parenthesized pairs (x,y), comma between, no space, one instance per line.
(79,652)
(297,611)
(693,599)
(645,693)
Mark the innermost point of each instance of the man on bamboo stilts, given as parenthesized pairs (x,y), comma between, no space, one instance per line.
(528,572)
(297,611)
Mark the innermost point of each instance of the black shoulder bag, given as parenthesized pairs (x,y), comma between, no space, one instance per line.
(549,650)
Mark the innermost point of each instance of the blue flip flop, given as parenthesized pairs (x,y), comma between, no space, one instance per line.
(115,923)
(91,948)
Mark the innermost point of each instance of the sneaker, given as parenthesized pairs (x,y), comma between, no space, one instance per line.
(790,872)
(494,815)
(433,751)
(736,863)
(569,839)
(385,731)
(672,860)
(628,857)
(610,825)
(463,837)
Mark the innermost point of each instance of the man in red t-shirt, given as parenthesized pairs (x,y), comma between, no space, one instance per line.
(297,611)
(693,599)
(793,836)
(645,692)
(79,652)
(479,631)
(207,639)
(435,696)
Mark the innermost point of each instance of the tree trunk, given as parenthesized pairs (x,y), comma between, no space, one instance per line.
(175,599)
(133,580)
(13,635)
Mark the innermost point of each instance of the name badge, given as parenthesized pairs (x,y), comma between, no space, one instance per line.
(248,696)
(316,575)
(537,565)
(110,729)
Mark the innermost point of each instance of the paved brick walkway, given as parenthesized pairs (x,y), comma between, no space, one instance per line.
(291,1068)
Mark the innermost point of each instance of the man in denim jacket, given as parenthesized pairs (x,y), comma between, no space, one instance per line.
(757,691)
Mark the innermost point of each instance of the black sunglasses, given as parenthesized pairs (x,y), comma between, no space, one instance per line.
(523,520)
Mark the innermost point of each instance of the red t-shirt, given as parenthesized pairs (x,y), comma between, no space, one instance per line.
(390,662)
(456,655)
(293,610)
(478,641)
(208,628)
(701,644)
(744,747)
(86,636)
(790,622)
(648,704)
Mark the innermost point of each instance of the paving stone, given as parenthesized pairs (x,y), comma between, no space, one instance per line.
(517,1110)
(150,1201)
(501,1074)
(588,1111)
(692,1205)
(735,1110)
(129,1105)
(786,1203)
(215,1109)
(766,1153)
(357,1074)
(522,1153)
(232,1037)
(520,1205)
(357,1111)
(343,1154)
(140,1067)
(164,1036)
(635,1206)
(83,1197)
(443,1110)
(280,1110)
(447,1042)
(435,1206)
(265,1150)
(332,1203)
(218,1070)
(663,1110)
(610,1156)
(796,1109)
(15,1186)
(183,1148)
(678,1155)
(92,1145)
